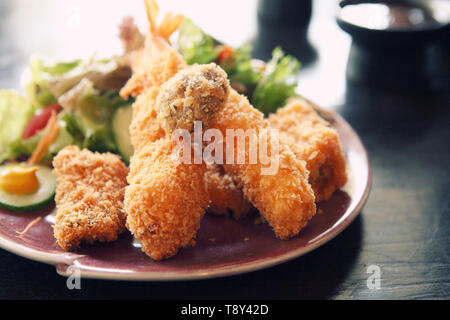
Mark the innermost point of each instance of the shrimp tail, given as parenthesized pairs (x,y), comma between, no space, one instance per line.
(152,10)
(169,25)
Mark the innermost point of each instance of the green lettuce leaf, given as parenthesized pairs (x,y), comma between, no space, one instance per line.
(37,89)
(195,45)
(241,70)
(15,112)
(89,123)
(278,83)
(61,68)
(86,134)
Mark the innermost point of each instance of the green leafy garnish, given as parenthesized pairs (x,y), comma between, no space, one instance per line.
(267,88)
(278,82)
(38,90)
(15,112)
(195,45)
(240,69)
(61,68)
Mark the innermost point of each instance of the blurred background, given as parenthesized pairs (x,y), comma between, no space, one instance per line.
(72,29)
(307,29)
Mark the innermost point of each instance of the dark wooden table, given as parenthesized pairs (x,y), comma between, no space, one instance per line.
(403,229)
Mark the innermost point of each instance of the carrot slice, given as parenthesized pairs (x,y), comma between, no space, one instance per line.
(29,226)
(48,136)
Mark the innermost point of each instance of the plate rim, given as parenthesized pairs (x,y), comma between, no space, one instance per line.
(64,261)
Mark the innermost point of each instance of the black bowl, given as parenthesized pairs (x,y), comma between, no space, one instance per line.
(391,50)
(410,23)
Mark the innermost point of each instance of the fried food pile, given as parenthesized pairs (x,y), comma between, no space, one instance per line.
(166,192)
(166,198)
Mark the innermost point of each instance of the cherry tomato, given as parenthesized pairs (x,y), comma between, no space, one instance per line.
(39,120)
(225,54)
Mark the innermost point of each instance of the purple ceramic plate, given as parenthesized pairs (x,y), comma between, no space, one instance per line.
(224,247)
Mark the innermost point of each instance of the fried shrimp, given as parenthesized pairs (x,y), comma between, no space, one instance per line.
(166,198)
(158,194)
(313,140)
(154,64)
(89,197)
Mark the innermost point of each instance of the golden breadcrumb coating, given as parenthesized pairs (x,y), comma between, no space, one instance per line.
(313,140)
(226,197)
(165,200)
(285,198)
(89,197)
(194,94)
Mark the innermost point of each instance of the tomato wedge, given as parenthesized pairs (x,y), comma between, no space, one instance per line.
(39,120)
(225,54)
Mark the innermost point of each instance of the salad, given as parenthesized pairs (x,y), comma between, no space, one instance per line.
(78,103)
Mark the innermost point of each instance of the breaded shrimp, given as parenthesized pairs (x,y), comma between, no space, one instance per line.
(313,140)
(226,197)
(156,63)
(89,197)
(166,198)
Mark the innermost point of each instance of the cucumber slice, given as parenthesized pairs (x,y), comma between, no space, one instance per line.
(34,201)
(121,130)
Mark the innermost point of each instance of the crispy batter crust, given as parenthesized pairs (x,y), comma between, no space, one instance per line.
(313,140)
(89,197)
